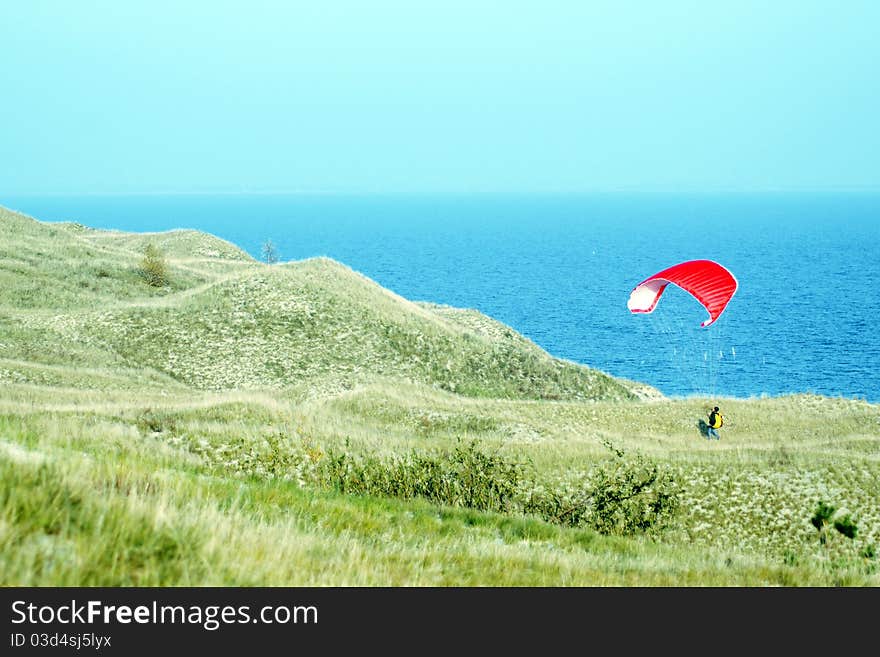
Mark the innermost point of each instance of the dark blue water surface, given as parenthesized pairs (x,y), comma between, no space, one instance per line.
(559,269)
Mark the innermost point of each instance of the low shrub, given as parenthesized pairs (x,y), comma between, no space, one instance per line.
(624,497)
(466,477)
(153,268)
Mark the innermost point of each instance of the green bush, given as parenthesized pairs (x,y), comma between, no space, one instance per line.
(623,497)
(846,526)
(153,267)
(627,497)
(822,515)
(826,515)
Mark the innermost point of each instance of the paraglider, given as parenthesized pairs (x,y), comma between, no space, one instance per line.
(707,281)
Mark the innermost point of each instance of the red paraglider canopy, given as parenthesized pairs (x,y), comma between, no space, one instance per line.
(707,281)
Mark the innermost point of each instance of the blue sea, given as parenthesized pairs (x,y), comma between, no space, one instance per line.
(559,269)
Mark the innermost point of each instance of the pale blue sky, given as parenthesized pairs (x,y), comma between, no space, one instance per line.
(417,96)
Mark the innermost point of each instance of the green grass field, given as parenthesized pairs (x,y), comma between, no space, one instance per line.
(298,425)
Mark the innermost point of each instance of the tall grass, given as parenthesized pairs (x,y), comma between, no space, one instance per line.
(60,531)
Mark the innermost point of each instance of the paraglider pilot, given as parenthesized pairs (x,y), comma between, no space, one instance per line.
(715,422)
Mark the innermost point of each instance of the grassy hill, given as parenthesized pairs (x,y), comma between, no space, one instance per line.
(297,424)
(225,321)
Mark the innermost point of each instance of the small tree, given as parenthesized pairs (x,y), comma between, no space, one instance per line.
(153,267)
(270,253)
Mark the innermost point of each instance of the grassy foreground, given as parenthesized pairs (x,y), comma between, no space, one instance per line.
(297,424)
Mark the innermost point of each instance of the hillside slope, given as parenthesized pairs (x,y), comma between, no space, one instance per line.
(74,295)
